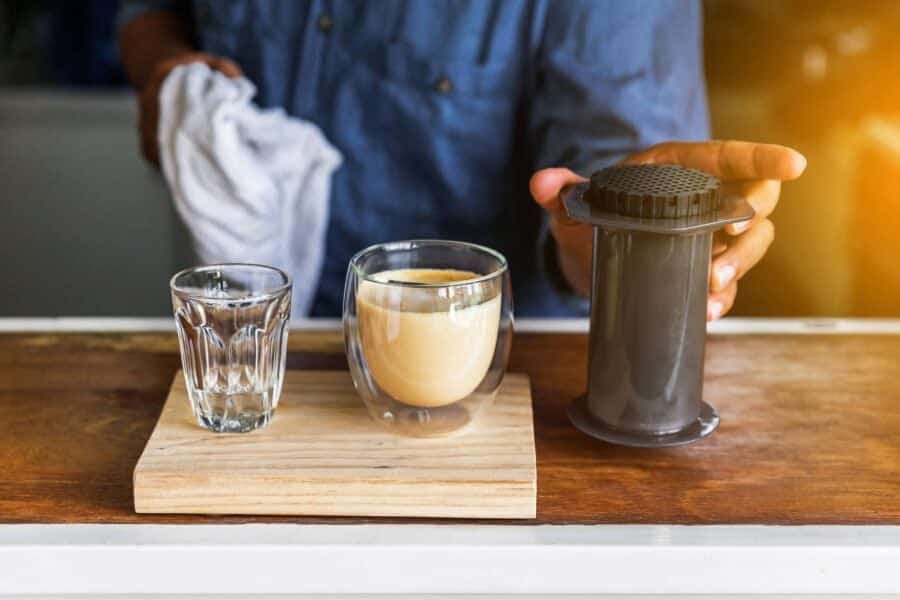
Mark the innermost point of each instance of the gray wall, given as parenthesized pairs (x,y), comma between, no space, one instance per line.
(87,227)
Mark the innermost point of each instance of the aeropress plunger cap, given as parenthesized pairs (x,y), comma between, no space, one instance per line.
(656,199)
(652,249)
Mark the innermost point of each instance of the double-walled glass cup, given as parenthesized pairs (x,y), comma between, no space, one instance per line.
(427,328)
(232,329)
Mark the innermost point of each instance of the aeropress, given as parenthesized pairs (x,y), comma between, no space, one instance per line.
(653,233)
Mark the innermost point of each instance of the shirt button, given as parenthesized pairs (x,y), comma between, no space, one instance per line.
(325,23)
(443,85)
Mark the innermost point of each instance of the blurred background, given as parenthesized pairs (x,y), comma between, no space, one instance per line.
(87,228)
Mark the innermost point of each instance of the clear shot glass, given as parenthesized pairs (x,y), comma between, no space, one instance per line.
(427,328)
(232,329)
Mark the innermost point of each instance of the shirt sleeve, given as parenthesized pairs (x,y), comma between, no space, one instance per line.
(130,9)
(613,77)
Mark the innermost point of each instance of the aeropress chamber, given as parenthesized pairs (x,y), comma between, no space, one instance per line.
(653,232)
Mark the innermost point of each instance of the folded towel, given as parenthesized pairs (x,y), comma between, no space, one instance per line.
(251,185)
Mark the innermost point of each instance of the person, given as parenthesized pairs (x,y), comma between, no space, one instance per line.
(465,119)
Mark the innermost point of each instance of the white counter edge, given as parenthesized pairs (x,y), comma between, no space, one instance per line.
(730,326)
(447,559)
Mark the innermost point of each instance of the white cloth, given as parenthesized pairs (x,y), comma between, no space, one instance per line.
(251,185)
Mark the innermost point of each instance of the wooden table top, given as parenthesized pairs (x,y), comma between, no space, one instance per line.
(810,431)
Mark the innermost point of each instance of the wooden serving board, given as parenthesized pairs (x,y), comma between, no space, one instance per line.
(323,455)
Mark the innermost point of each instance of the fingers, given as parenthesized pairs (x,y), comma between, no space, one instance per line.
(719,303)
(742,254)
(225,66)
(720,243)
(148,99)
(729,160)
(762,195)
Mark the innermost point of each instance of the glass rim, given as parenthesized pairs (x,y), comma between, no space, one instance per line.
(408,245)
(286,283)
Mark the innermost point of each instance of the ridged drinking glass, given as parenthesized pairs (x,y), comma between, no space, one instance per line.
(232,329)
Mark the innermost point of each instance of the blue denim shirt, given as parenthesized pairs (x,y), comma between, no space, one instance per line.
(444,108)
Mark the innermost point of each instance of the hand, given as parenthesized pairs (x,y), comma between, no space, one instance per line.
(753,170)
(148,99)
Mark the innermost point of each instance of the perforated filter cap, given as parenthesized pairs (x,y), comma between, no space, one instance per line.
(654,191)
(666,199)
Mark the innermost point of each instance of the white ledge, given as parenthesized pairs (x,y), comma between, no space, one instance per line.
(447,559)
(728,326)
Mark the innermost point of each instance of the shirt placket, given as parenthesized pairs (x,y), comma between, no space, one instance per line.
(316,35)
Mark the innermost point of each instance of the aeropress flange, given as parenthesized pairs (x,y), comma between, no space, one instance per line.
(653,232)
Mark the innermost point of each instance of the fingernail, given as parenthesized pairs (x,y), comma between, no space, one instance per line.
(740,227)
(724,275)
(799,162)
(715,310)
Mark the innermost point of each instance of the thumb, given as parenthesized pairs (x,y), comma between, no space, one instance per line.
(547,184)
(546,187)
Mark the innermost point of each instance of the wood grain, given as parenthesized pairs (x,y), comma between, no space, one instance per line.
(323,455)
(810,432)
